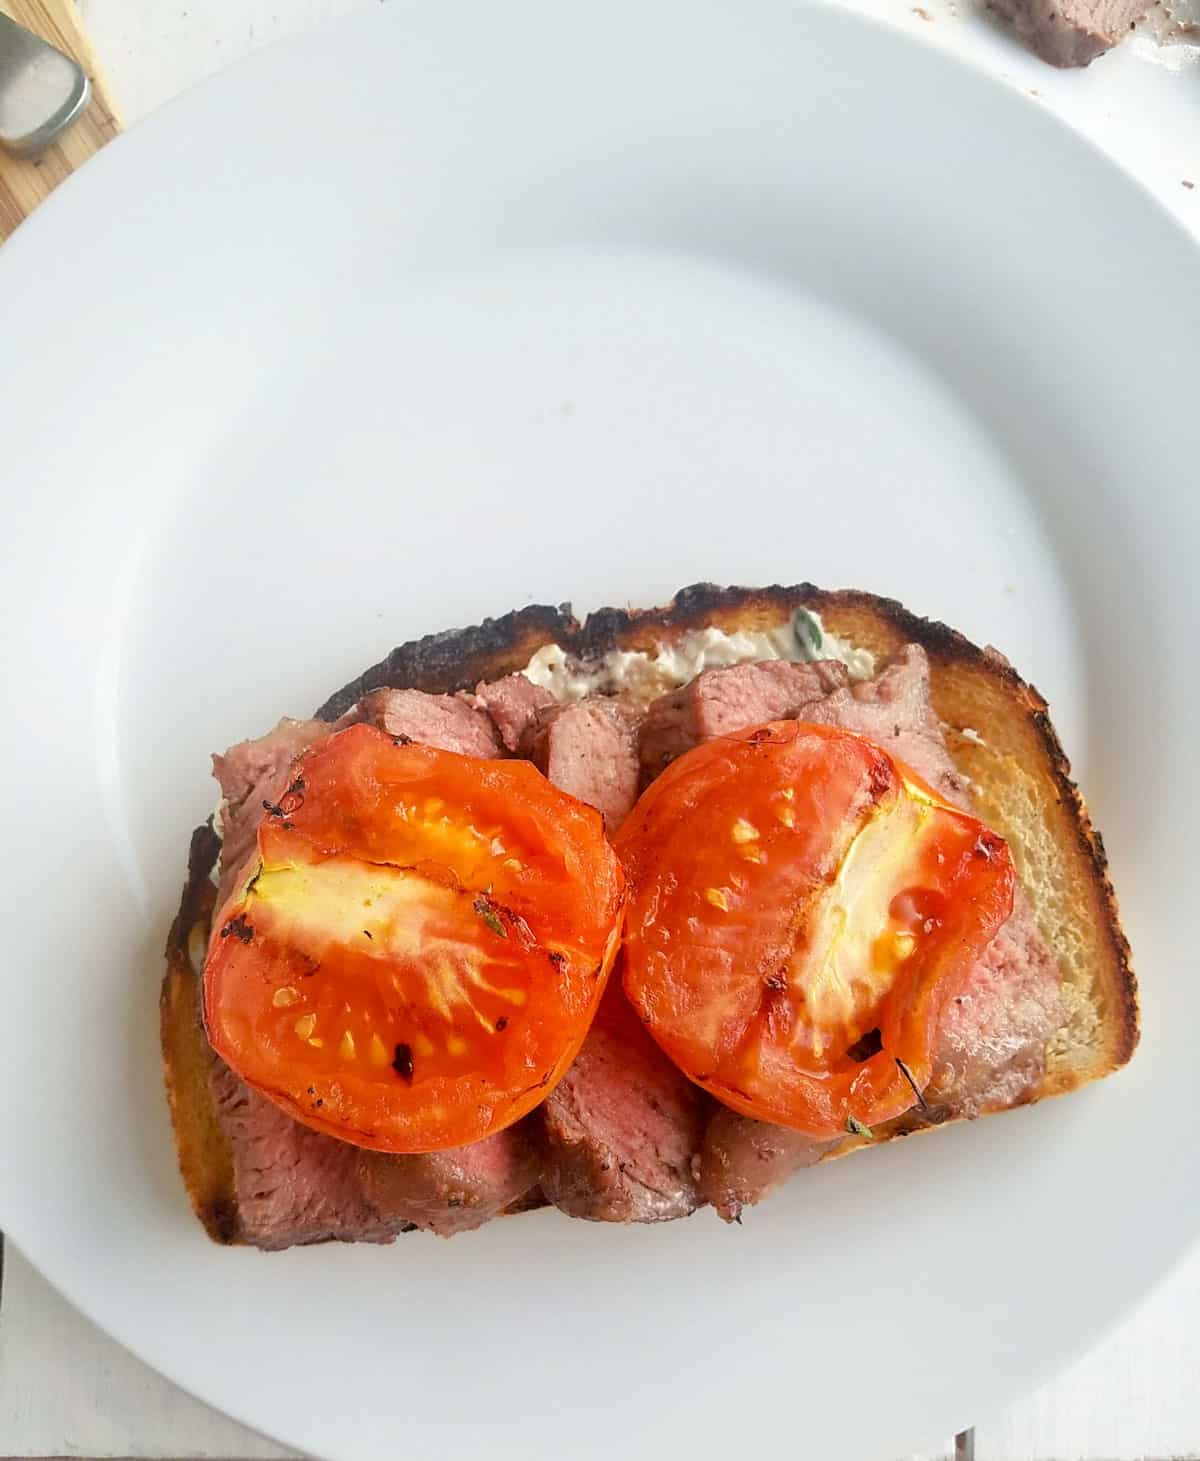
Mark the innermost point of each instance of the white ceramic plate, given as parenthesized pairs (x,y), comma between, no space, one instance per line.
(464,305)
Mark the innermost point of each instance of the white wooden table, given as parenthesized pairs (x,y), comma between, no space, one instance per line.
(66,1390)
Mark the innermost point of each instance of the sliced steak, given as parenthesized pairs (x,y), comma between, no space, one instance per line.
(454,1191)
(512,703)
(623,1128)
(254,772)
(895,711)
(993,1037)
(292,1184)
(719,702)
(295,1185)
(1071,32)
(249,774)
(991,1050)
(589,750)
(446,722)
(743,1160)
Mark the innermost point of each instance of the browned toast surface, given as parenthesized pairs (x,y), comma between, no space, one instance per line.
(999,734)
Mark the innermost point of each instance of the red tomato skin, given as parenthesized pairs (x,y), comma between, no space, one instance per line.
(733,852)
(416,954)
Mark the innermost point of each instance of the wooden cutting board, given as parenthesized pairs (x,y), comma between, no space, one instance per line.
(25,182)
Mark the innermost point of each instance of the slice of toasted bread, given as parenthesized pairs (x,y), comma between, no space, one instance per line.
(998,732)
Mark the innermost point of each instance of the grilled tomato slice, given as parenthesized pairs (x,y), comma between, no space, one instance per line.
(416,952)
(802,906)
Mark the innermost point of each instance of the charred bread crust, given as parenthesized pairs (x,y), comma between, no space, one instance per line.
(458,659)
(699,606)
(969,685)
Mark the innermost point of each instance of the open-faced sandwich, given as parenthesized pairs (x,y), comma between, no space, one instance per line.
(630,917)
